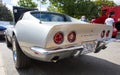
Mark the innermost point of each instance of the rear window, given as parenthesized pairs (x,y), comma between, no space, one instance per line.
(49,17)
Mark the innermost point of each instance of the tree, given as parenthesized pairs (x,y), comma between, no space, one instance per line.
(52,8)
(101,3)
(74,8)
(77,8)
(27,3)
(5,14)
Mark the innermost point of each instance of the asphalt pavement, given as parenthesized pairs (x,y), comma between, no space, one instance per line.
(106,62)
(2,70)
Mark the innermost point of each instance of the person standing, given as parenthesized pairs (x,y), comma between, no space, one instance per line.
(110,21)
(83,18)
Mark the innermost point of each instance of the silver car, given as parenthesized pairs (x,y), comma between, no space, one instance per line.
(50,36)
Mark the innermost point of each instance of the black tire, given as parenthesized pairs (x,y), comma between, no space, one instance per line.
(8,43)
(20,59)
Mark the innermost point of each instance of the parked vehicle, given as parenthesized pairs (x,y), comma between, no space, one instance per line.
(8,35)
(50,36)
(2,31)
(3,27)
(106,11)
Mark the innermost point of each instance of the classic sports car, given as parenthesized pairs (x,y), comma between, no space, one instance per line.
(49,36)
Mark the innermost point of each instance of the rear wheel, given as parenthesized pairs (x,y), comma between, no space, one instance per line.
(20,59)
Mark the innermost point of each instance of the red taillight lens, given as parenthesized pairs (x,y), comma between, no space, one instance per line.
(58,38)
(103,34)
(107,33)
(72,36)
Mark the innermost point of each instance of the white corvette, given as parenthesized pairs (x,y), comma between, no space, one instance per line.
(49,36)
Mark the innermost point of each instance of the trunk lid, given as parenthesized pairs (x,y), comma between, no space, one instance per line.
(84,32)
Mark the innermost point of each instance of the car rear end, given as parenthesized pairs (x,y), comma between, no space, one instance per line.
(73,39)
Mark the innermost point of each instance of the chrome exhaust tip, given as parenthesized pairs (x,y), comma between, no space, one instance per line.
(55,59)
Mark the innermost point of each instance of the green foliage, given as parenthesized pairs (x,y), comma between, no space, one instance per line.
(100,3)
(42,1)
(27,3)
(77,8)
(5,14)
(52,8)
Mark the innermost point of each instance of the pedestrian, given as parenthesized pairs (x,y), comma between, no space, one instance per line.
(109,21)
(83,18)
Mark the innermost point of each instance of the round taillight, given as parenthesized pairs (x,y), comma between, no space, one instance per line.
(58,38)
(71,36)
(107,33)
(103,34)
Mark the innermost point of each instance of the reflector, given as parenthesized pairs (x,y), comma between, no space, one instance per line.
(72,36)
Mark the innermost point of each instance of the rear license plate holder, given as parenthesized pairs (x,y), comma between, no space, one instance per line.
(88,47)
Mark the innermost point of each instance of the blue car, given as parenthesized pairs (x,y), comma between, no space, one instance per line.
(2,31)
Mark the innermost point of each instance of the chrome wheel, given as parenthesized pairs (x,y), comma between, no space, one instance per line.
(14,50)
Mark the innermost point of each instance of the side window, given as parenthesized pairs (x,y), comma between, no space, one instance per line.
(45,17)
(57,18)
(51,17)
(36,15)
(68,19)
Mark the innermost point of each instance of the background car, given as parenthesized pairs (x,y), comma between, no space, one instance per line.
(115,32)
(2,31)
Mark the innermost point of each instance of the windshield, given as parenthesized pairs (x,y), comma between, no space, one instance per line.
(50,17)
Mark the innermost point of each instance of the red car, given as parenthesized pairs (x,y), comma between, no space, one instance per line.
(106,11)
(115,31)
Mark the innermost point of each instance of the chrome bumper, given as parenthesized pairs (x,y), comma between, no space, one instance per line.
(52,55)
(43,51)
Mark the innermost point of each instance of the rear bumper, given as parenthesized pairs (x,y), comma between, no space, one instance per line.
(54,55)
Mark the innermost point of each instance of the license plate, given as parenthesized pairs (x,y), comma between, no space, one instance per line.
(88,47)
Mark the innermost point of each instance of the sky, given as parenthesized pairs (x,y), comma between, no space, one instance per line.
(10,3)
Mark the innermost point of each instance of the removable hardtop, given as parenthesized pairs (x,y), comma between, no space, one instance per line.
(19,11)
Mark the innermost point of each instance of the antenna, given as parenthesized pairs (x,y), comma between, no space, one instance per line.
(40,9)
